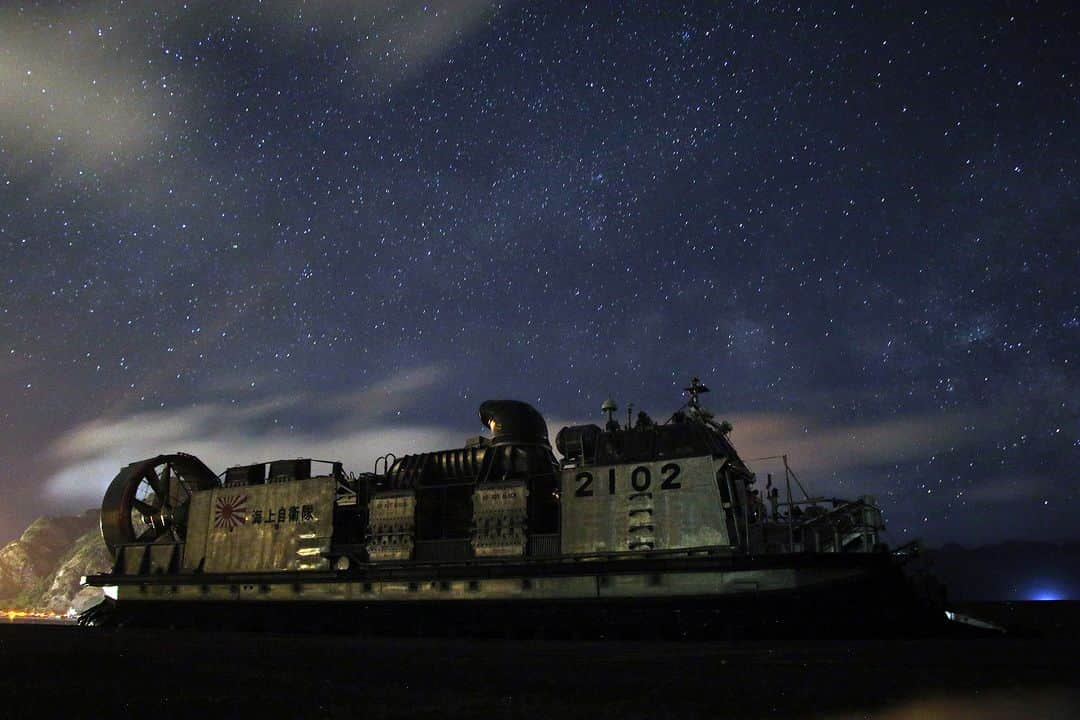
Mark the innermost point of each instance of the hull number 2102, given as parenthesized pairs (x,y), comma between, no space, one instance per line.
(640,480)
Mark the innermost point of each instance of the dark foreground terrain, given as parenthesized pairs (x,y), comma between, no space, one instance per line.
(65,671)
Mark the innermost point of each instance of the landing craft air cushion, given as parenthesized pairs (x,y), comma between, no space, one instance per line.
(638,528)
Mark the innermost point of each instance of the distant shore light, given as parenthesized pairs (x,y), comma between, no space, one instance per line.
(1047,594)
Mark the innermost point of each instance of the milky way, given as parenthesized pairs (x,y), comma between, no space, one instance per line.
(249,230)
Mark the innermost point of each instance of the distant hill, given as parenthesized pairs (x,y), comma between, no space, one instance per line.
(41,570)
(1012,570)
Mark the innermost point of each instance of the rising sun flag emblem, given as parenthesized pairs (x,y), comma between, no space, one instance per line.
(230,512)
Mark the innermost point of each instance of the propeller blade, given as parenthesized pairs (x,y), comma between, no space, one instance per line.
(148,535)
(144,508)
(160,485)
(166,479)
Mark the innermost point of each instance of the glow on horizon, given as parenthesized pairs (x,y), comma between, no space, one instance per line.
(1047,594)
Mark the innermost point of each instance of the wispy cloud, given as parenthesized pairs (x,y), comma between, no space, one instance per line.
(358,426)
(230,434)
(64,95)
(818,451)
(401,39)
(92,87)
(1019,488)
(387,395)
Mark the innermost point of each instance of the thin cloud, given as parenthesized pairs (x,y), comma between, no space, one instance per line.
(818,451)
(223,435)
(62,93)
(88,89)
(1015,489)
(85,480)
(391,393)
(401,39)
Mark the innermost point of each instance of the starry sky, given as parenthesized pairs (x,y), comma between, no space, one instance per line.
(258,230)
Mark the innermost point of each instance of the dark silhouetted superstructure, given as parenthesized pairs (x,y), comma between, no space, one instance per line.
(644,525)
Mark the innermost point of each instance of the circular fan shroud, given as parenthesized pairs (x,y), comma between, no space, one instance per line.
(148,499)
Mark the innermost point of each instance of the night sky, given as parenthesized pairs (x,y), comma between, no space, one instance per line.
(258,230)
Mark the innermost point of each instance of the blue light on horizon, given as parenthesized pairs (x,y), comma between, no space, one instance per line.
(1047,594)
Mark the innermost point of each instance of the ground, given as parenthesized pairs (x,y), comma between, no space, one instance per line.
(84,672)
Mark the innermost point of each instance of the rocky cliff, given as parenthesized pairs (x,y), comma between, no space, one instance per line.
(87,556)
(41,569)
